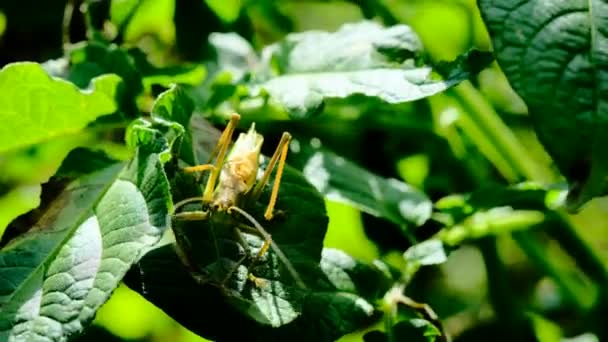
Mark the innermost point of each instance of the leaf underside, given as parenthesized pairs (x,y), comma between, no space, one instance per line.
(306,69)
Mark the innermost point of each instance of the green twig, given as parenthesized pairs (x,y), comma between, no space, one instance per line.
(498,134)
(498,283)
(534,250)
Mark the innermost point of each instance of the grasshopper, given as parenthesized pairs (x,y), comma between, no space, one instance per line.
(230,188)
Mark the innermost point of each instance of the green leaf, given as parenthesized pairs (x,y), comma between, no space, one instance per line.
(307,68)
(35,108)
(429,252)
(73,167)
(494,210)
(137,18)
(191,74)
(327,313)
(121,11)
(233,54)
(67,265)
(45,119)
(274,306)
(174,105)
(227,10)
(342,181)
(349,275)
(555,55)
(90,59)
(298,231)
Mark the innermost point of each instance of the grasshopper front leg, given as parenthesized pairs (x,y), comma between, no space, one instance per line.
(195,215)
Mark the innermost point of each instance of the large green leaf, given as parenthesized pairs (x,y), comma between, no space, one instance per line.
(555,55)
(305,69)
(41,120)
(212,248)
(342,181)
(330,304)
(330,308)
(56,275)
(35,108)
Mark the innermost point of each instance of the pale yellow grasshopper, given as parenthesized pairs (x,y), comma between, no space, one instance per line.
(230,187)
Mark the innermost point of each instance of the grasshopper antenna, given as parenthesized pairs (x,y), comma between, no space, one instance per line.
(269,241)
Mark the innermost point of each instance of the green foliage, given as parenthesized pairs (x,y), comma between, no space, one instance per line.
(36,106)
(555,57)
(67,265)
(327,311)
(98,141)
(300,73)
(343,181)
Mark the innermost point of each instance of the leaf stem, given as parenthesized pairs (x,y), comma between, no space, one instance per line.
(498,285)
(499,134)
(514,154)
(534,250)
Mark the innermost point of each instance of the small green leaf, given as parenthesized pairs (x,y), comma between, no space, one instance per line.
(227,10)
(555,55)
(90,59)
(36,108)
(494,210)
(429,252)
(191,74)
(349,275)
(233,54)
(138,18)
(174,105)
(342,181)
(66,266)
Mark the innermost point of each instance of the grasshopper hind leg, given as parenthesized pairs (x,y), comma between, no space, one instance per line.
(270,244)
(279,155)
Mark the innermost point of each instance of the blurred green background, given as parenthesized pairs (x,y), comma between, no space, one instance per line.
(440,161)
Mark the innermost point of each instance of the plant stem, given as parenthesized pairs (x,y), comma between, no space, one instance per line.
(498,134)
(498,284)
(534,250)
